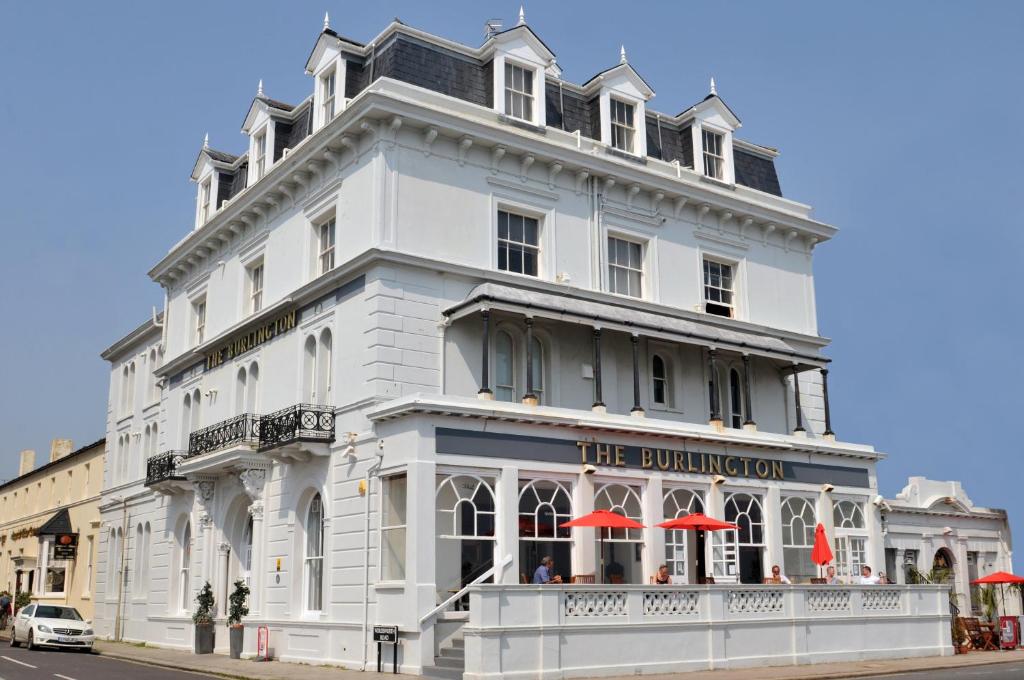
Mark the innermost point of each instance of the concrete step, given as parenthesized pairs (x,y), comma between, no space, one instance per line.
(449,662)
(452,653)
(458,643)
(442,673)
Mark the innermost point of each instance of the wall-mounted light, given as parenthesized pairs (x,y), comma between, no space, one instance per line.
(589,469)
(827,488)
(718,479)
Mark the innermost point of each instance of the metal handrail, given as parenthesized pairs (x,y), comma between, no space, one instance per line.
(459,595)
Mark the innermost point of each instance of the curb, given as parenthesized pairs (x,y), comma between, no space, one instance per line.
(174,667)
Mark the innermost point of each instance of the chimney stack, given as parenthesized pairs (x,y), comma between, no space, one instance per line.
(60,448)
(27,462)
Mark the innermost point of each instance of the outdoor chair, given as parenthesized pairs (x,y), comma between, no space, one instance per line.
(582,578)
(818,581)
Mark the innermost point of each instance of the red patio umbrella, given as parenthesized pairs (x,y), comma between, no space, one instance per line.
(603,519)
(821,553)
(1000,577)
(697,521)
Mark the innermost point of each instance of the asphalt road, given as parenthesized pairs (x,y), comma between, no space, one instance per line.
(999,671)
(21,664)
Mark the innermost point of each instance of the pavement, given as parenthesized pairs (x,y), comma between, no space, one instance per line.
(121,661)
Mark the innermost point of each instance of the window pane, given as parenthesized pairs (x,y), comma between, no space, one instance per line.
(531,231)
(515,228)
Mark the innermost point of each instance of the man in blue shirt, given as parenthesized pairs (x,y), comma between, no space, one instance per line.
(543,574)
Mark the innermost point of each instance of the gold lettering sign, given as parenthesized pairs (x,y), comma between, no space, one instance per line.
(243,343)
(613,455)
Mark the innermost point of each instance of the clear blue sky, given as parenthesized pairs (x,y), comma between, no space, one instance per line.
(898,121)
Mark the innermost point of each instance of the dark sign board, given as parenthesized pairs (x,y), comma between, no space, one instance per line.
(687,459)
(65,546)
(385,634)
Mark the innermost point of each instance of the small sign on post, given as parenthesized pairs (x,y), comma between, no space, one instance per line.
(389,634)
(263,644)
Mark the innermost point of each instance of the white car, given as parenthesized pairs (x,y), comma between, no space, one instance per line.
(52,626)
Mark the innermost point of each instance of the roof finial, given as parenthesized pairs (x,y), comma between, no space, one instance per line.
(714,90)
(259,89)
(327,21)
(622,54)
(522,17)
(206,141)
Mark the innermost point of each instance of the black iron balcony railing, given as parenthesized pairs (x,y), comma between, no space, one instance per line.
(164,467)
(299,423)
(243,429)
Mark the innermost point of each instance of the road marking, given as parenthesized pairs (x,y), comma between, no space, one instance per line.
(63,677)
(20,663)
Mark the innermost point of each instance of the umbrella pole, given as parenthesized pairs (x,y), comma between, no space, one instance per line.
(602,556)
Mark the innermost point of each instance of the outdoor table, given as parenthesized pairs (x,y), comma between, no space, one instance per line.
(988,637)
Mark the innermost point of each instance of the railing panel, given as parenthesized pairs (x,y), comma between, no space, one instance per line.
(243,429)
(164,467)
(882,599)
(299,423)
(756,600)
(594,603)
(828,600)
(662,603)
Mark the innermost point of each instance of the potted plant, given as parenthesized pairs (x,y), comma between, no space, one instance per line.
(203,620)
(21,599)
(237,608)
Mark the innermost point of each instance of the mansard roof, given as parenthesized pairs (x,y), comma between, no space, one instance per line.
(221,159)
(625,69)
(716,102)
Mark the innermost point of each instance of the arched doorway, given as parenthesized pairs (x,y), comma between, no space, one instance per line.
(943,567)
(465,510)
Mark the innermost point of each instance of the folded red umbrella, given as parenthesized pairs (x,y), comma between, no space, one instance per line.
(999,577)
(603,518)
(821,553)
(697,521)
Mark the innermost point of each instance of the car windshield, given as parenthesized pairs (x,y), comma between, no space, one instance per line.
(47,612)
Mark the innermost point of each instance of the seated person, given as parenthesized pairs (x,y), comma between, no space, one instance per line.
(882,578)
(614,572)
(830,576)
(866,578)
(545,572)
(662,578)
(777,576)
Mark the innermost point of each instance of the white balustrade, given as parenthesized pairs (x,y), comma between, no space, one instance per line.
(521,632)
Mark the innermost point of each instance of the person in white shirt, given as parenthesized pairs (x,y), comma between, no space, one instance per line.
(867,578)
(777,576)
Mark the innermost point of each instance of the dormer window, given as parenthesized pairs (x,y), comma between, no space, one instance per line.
(518,92)
(328,87)
(714,155)
(204,200)
(623,128)
(259,153)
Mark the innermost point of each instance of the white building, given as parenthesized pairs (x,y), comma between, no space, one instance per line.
(444,304)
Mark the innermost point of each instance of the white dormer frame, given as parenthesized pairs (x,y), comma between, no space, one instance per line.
(626,85)
(713,115)
(331,59)
(520,47)
(205,172)
(264,125)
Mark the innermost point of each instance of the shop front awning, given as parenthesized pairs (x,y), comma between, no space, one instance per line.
(613,316)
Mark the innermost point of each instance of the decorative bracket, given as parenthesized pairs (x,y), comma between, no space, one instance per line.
(428,140)
(464,145)
(497,153)
(581,177)
(524,166)
(678,205)
(656,200)
(553,171)
(631,193)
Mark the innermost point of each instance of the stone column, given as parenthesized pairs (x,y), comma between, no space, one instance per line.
(637,409)
(221,587)
(205,491)
(654,537)
(507,525)
(253,481)
(584,550)
(773,530)
(420,557)
(715,507)
(485,364)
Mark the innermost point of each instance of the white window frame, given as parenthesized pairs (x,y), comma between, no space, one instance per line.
(613,266)
(630,132)
(397,570)
(668,380)
(803,542)
(851,541)
(185,569)
(328,95)
(736,414)
(199,312)
(326,259)
(255,284)
(513,363)
(205,200)
(309,559)
(677,552)
(714,163)
(260,142)
(509,243)
(512,95)
(707,259)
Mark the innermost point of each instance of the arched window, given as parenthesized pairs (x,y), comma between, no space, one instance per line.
(851,539)
(154,440)
(537,366)
(661,385)
(504,367)
(798,523)
(124,391)
(740,553)
(465,507)
(252,399)
(314,565)
(147,534)
(196,403)
(113,560)
(152,393)
(680,503)
(544,505)
(241,378)
(186,418)
(137,572)
(184,569)
(622,563)
(131,387)
(323,371)
(309,393)
(247,551)
(735,399)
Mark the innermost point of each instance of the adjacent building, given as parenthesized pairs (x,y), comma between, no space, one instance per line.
(49,526)
(446,303)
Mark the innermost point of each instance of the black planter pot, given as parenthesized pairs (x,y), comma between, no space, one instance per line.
(204,638)
(237,634)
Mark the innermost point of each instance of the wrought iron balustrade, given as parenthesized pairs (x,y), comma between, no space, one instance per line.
(164,467)
(240,430)
(299,423)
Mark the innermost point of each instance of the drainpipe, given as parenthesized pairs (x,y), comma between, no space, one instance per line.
(119,617)
(370,474)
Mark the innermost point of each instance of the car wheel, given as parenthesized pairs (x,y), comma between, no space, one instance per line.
(14,639)
(28,642)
